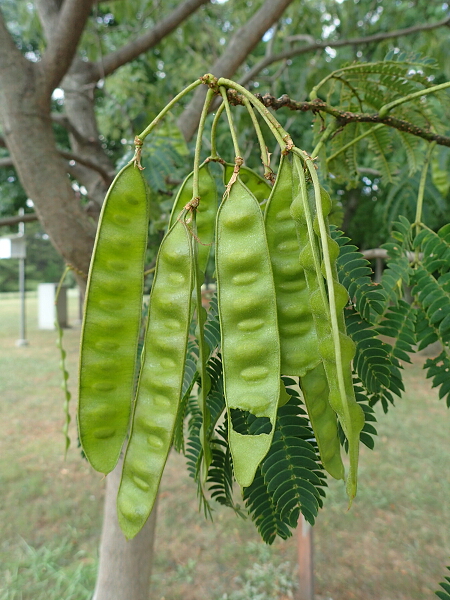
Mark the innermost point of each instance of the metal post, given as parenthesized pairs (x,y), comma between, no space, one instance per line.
(305,560)
(22,341)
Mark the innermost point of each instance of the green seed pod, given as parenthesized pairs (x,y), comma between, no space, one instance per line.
(160,381)
(206,210)
(259,186)
(333,251)
(306,259)
(112,320)
(326,297)
(298,338)
(284,396)
(328,352)
(341,296)
(319,306)
(297,209)
(326,206)
(323,419)
(248,321)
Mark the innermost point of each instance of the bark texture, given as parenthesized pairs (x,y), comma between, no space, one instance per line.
(27,129)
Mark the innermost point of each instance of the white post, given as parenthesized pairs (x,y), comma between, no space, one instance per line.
(22,341)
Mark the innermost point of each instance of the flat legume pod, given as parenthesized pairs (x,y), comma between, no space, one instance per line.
(314,385)
(299,350)
(160,381)
(338,367)
(258,186)
(112,320)
(313,381)
(318,257)
(206,210)
(248,320)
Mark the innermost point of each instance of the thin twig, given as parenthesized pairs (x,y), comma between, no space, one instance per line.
(343,116)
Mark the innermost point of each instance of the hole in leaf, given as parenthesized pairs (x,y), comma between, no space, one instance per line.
(245,423)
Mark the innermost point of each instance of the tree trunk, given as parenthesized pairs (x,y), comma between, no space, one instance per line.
(125,566)
(28,134)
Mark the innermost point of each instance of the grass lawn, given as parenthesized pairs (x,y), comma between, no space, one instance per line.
(392,545)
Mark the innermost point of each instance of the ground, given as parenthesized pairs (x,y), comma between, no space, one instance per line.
(393,544)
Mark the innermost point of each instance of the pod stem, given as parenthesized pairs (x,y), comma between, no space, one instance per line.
(198,143)
(265,156)
(420,195)
(283,138)
(223,92)
(329,276)
(60,284)
(329,130)
(309,222)
(214,155)
(140,138)
(423,179)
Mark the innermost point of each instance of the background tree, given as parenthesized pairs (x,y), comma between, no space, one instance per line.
(78,79)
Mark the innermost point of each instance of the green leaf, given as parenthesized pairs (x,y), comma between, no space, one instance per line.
(290,478)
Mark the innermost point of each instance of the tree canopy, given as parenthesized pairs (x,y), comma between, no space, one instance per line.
(96,72)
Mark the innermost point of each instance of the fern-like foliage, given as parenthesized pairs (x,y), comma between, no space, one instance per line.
(368,431)
(439,171)
(434,298)
(410,144)
(189,380)
(380,142)
(399,324)
(354,273)
(194,453)
(366,88)
(401,197)
(216,405)
(191,375)
(220,477)
(439,370)
(376,84)
(432,284)
(212,325)
(444,594)
(375,362)
(372,360)
(220,474)
(436,249)
(398,271)
(290,479)
(432,293)
(345,166)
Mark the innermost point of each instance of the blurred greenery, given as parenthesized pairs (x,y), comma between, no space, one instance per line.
(127,100)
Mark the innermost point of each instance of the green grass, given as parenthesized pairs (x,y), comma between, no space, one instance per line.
(392,545)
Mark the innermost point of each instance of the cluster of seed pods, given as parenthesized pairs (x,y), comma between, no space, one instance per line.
(280,309)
